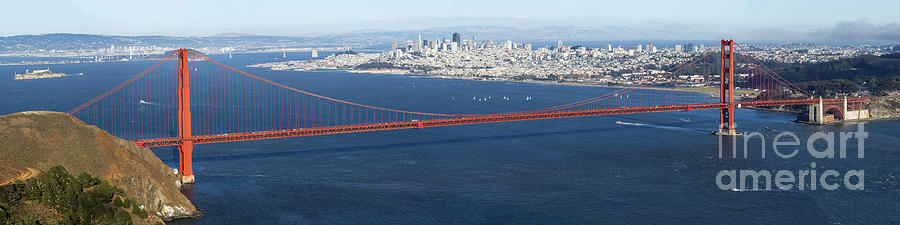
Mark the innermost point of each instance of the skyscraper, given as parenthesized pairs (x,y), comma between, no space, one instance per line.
(678,48)
(456,37)
(419,48)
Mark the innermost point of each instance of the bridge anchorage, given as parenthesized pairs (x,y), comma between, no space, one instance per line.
(196,100)
(825,111)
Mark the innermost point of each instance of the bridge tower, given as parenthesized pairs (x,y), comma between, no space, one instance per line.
(186,144)
(726,94)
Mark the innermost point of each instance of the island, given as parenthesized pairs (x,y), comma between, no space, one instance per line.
(39,74)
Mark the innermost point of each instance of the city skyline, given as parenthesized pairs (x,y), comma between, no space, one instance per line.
(801,20)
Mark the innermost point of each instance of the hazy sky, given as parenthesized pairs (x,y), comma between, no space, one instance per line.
(299,18)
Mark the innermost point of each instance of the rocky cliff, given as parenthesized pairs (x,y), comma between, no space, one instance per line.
(41,140)
(885,107)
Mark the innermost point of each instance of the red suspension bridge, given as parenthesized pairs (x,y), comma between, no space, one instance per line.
(187,98)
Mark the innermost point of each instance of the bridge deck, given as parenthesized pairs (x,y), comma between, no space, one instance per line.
(475,119)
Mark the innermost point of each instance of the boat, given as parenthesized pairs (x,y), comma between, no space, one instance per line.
(144,102)
(619,122)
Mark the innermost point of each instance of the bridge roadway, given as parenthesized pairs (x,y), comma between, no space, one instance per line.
(473,119)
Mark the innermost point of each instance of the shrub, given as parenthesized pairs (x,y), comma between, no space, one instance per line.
(127,203)
(136,210)
(118,202)
(122,217)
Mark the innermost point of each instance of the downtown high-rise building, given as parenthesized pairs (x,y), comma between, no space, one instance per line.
(419,43)
(456,38)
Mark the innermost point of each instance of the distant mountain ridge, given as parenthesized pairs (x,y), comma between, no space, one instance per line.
(547,33)
(75,42)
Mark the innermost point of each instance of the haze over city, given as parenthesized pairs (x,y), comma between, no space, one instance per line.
(745,20)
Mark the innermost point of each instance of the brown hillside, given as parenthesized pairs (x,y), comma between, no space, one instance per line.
(42,139)
(10,171)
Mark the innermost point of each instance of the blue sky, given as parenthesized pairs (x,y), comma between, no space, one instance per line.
(300,18)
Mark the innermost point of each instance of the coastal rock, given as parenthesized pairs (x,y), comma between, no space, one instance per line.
(42,139)
(885,107)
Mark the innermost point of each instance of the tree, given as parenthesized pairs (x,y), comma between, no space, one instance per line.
(79,200)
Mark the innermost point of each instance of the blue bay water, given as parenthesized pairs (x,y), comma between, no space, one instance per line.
(655,168)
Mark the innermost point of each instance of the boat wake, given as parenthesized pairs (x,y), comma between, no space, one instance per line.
(147,103)
(657,126)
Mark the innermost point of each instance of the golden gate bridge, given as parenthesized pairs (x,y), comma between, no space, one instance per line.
(217,103)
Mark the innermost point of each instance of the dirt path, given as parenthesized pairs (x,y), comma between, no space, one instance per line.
(29,173)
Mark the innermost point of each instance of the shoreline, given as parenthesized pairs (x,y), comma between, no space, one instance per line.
(64,62)
(565,83)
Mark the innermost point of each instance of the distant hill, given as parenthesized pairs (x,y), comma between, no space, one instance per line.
(356,39)
(79,42)
(546,33)
(861,67)
(42,140)
(232,35)
(880,74)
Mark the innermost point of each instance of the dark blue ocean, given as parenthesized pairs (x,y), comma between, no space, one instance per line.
(657,168)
